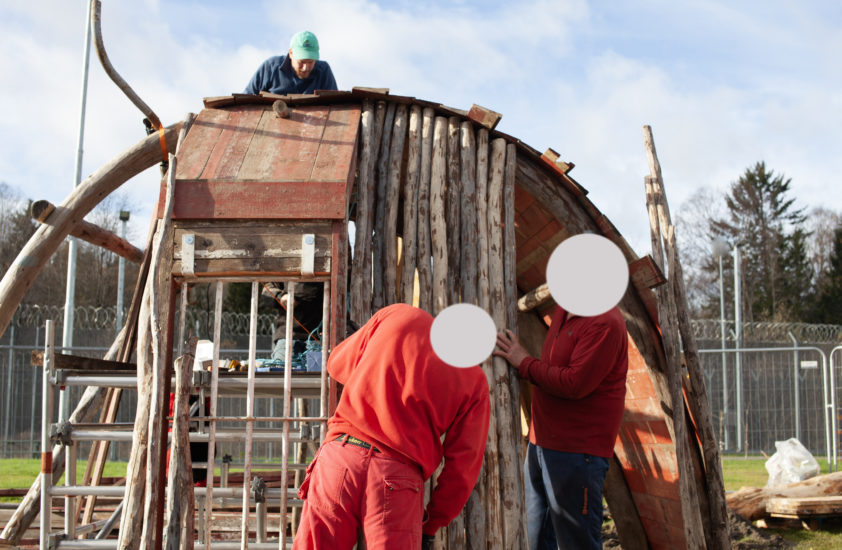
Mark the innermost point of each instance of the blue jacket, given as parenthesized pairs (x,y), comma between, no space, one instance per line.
(276,76)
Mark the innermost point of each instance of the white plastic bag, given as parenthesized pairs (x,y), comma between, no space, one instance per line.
(791,462)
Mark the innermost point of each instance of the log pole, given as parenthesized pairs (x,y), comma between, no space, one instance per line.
(91,233)
(410,205)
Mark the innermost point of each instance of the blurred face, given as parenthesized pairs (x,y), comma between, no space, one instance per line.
(301,67)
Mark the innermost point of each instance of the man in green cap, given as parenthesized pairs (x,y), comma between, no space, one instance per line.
(298,72)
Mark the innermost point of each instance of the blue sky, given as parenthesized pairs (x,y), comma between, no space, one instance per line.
(723,84)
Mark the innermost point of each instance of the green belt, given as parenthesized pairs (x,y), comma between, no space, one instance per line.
(358,442)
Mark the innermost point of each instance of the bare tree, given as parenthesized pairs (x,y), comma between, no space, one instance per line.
(694,235)
(822,224)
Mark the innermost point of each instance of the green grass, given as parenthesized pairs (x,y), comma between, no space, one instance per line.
(740,471)
(19,473)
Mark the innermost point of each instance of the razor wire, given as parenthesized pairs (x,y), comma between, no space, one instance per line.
(105,318)
(709,329)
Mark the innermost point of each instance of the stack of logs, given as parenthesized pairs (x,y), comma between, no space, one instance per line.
(457,232)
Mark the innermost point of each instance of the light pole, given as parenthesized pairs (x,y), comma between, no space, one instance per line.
(70,292)
(720,249)
(738,343)
(121,274)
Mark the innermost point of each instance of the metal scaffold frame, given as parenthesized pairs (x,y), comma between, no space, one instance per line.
(210,498)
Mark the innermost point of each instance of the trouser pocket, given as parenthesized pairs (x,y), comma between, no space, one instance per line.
(403,500)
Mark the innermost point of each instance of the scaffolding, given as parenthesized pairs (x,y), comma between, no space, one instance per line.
(267,225)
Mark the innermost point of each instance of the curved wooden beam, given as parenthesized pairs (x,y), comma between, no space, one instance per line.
(47,238)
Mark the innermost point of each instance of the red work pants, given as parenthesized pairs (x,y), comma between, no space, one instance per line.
(349,487)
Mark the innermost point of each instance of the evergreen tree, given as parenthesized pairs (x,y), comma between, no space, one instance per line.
(797,277)
(828,306)
(761,220)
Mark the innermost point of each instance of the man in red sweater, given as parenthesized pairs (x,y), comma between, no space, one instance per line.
(385,439)
(577,405)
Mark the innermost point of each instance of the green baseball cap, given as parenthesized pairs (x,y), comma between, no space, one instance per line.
(304,45)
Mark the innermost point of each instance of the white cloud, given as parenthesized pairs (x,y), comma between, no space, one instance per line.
(723,85)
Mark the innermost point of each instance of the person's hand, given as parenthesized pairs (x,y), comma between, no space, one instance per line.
(510,348)
(427,542)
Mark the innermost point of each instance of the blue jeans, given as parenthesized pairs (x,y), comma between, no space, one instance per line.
(563,499)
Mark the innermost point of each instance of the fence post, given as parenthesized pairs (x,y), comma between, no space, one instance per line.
(738,365)
(796,385)
(9,373)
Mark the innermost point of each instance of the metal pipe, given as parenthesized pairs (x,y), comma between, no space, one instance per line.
(96,19)
(260,515)
(70,480)
(323,397)
(46,449)
(796,386)
(110,522)
(8,416)
(72,252)
(217,339)
(738,332)
(274,493)
(252,358)
(34,400)
(84,490)
(834,418)
(726,434)
(287,399)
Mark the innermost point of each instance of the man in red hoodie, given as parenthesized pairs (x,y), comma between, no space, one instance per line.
(385,439)
(577,405)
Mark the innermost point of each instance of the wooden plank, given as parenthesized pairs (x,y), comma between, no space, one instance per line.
(374,93)
(645,273)
(284,149)
(336,154)
(226,247)
(215,102)
(484,116)
(64,361)
(231,145)
(199,143)
(623,508)
(554,160)
(802,507)
(226,199)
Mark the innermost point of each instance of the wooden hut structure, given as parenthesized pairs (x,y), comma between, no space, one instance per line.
(446,210)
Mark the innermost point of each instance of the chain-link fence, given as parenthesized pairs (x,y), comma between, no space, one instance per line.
(776,385)
(94,331)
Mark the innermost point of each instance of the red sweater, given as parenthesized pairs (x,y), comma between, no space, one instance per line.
(402,398)
(580,383)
